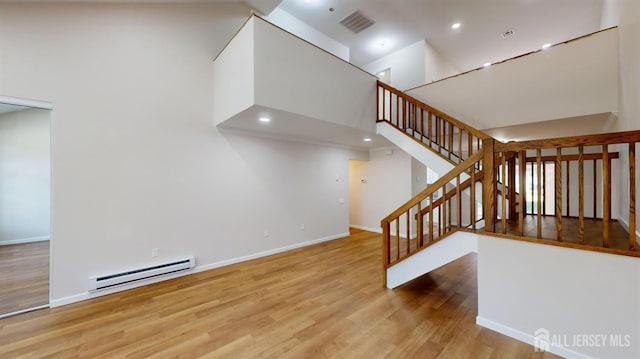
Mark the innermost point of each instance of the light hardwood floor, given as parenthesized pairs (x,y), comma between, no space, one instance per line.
(323,301)
(24,276)
(593,228)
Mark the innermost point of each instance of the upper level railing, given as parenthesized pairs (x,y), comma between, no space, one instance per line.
(569,182)
(453,140)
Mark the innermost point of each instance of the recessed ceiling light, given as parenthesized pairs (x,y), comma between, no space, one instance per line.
(265,119)
(456,26)
(381,73)
(380,45)
(367,139)
(546,46)
(487,64)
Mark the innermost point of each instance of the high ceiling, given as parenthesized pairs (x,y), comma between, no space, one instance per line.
(478,40)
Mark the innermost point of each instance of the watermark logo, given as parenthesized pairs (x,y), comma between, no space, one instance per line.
(541,340)
(544,339)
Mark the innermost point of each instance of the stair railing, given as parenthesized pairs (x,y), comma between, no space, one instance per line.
(411,228)
(499,196)
(451,139)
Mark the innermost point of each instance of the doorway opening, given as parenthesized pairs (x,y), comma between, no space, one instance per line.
(25,205)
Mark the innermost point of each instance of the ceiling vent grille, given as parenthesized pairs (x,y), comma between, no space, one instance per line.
(357,22)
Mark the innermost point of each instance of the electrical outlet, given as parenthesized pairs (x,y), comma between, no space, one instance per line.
(266,233)
(154,252)
(302,227)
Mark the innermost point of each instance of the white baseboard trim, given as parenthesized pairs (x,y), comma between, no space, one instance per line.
(89,295)
(24,240)
(268,253)
(527,338)
(368,229)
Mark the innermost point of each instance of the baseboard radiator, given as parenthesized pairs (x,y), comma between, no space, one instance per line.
(112,280)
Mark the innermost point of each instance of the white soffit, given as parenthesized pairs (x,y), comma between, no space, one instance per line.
(284,125)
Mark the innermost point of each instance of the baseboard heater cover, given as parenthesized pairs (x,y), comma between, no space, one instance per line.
(112,280)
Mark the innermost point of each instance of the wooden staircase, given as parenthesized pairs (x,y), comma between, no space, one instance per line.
(511,190)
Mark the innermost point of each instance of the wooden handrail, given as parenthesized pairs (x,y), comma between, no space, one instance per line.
(479,175)
(452,193)
(481,135)
(459,169)
(572,141)
(415,237)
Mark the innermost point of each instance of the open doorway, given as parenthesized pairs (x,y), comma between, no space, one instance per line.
(25,205)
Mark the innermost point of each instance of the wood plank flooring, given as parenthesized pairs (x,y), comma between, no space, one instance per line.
(24,276)
(618,236)
(323,301)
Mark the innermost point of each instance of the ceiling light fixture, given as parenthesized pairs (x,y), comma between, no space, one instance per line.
(546,46)
(264,119)
(487,64)
(381,45)
(367,139)
(381,73)
(456,26)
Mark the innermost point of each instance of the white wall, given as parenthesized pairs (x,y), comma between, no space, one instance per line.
(25,176)
(437,66)
(626,15)
(525,286)
(573,79)
(407,66)
(418,176)
(309,81)
(387,186)
(137,161)
(233,76)
(414,65)
(263,6)
(295,26)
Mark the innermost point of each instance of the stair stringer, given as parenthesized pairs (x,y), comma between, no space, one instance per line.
(454,246)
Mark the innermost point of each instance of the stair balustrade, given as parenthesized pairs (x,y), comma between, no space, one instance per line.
(453,140)
(528,184)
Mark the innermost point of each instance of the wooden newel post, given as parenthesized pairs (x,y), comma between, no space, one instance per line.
(386,253)
(489,194)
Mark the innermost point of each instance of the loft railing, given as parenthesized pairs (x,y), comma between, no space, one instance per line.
(528,183)
(567,179)
(453,140)
(592,163)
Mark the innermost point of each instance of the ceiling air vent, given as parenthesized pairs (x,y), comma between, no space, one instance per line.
(356,22)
